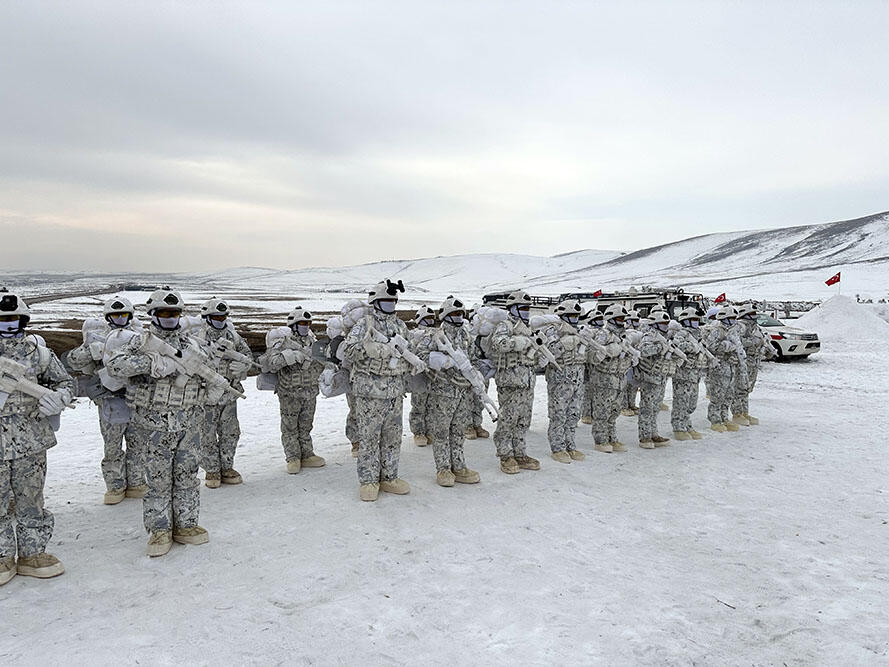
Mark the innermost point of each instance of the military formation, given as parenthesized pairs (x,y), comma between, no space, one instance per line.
(167,392)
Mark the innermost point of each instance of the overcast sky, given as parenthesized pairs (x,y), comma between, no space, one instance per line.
(197,135)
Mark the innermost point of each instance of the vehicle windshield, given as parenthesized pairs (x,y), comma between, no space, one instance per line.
(766,321)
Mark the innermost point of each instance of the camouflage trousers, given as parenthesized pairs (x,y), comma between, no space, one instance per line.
(447,418)
(297,420)
(419,414)
(565,390)
(651,395)
(721,387)
(477,408)
(629,396)
(21,480)
(122,467)
(685,400)
(351,420)
(586,404)
(605,409)
(516,405)
(379,430)
(219,438)
(741,399)
(173,499)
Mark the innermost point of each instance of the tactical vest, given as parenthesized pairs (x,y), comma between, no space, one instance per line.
(37,359)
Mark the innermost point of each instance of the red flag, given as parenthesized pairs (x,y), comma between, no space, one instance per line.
(720,298)
(833,280)
(597,294)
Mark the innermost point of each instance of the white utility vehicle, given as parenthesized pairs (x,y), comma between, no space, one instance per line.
(789,342)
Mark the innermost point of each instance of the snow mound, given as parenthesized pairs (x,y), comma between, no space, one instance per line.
(841,318)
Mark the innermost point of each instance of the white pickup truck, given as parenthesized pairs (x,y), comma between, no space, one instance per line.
(789,342)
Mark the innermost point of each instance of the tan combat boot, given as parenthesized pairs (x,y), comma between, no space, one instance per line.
(397,486)
(527,463)
(481,432)
(576,455)
(682,435)
(421,440)
(42,566)
(660,441)
(469,433)
(191,535)
(618,446)
(7,569)
(159,543)
(605,447)
(445,478)
(369,492)
(695,435)
(509,465)
(586,420)
(137,491)
(731,426)
(718,427)
(646,443)
(354,450)
(627,412)
(294,466)
(754,421)
(114,496)
(232,476)
(561,457)
(741,419)
(313,461)
(466,476)
(213,480)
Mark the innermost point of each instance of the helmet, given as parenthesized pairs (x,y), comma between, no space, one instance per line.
(727,313)
(298,314)
(659,317)
(689,314)
(166,299)
(12,304)
(569,307)
(633,315)
(517,298)
(214,306)
(746,309)
(656,308)
(615,311)
(712,311)
(424,313)
(385,290)
(118,305)
(451,305)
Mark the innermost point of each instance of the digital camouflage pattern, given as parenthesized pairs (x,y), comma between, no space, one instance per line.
(30,527)
(756,347)
(565,388)
(687,378)
(606,378)
(723,343)
(653,376)
(173,499)
(380,430)
(515,361)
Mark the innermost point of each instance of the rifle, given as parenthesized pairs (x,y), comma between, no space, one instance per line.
(400,347)
(224,349)
(471,374)
(189,363)
(12,379)
(587,337)
(538,344)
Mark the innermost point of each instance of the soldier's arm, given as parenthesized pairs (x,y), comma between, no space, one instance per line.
(501,339)
(650,347)
(56,377)
(128,361)
(81,360)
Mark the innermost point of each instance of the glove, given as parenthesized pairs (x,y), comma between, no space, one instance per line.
(51,404)
(292,357)
(438,361)
(376,350)
(238,367)
(569,343)
(520,343)
(613,349)
(97,349)
(162,366)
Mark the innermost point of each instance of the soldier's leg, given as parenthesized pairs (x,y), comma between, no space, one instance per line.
(307,423)
(476,409)
(439,416)
(572,413)
(7,518)
(525,406)
(557,411)
(648,407)
(209,447)
(291,406)
(586,407)
(135,454)
(114,467)
(228,432)
(612,398)
(715,388)
(602,409)
(679,413)
(503,435)
(186,496)
(351,420)
(369,413)
(34,523)
(391,430)
(461,417)
(158,501)
(419,412)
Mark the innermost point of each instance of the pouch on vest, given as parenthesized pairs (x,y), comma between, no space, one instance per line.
(115,411)
(267,381)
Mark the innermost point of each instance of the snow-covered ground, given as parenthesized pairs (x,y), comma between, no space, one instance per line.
(766,546)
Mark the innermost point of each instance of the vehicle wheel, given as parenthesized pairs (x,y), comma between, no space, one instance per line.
(778,351)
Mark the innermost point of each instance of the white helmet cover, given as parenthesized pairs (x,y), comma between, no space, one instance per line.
(424,312)
(451,305)
(569,307)
(614,311)
(385,290)
(518,298)
(298,314)
(164,298)
(726,313)
(689,314)
(118,304)
(214,306)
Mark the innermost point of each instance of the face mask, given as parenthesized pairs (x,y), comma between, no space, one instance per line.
(728,322)
(302,329)
(456,320)
(9,329)
(165,323)
(521,314)
(216,324)
(571,319)
(662,327)
(694,324)
(119,319)
(597,323)
(425,323)
(387,307)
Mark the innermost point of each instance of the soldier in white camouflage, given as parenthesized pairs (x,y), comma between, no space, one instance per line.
(450,393)
(27,422)
(418,418)
(724,343)
(630,408)
(686,336)
(593,320)
(375,349)
(516,359)
(290,357)
(756,348)
(221,429)
(122,470)
(607,378)
(169,405)
(656,365)
(476,430)
(565,383)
